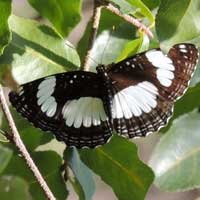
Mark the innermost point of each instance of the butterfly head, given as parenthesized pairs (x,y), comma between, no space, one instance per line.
(101,69)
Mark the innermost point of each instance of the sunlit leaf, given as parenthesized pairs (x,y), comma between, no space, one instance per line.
(176,157)
(177,21)
(135,46)
(135,6)
(37,50)
(109,45)
(124,6)
(64,15)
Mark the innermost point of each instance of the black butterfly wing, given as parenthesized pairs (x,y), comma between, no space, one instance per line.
(146,85)
(68,104)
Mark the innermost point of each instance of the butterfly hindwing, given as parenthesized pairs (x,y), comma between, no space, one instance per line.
(146,123)
(69,104)
(146,85)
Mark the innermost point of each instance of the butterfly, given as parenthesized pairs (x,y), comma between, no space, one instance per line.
(133,97)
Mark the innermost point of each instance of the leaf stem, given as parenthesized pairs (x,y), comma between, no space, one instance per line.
(15,139)
(127,18)
(95,24)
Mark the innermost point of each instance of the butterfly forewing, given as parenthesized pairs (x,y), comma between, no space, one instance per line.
(184,57)
(68,104)
(146,85)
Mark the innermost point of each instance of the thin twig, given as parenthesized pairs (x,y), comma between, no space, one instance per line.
(127,18)
(95,24)
(15,138)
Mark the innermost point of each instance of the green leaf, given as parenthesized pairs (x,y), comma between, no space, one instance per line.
(5,156)
(118,165)
(5,8)
(129,49)
(135,6)
(135,46)
(49,164)
(82,46)
(196,77)
(37,50)
(78,189)
(82,173)
(176,157)
(151,4)
(12,188)
(143,9)
(109,44)
(2,132)
(124,6)
(64,15)
(177,21)
(186,104)
(2,137)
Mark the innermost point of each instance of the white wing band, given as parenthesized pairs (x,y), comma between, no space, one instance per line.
(86,111)
(134,100)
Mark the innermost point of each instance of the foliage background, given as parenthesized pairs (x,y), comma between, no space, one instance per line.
(40,50)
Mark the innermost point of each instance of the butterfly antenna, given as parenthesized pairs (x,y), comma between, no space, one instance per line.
(104,49)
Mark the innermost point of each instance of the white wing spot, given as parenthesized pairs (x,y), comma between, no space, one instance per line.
(21,92)
(183,50)
(161,61)
(71,81)
(128,63)
(75,76)
(45,100)
(182,46)
(133,66)
(85,111)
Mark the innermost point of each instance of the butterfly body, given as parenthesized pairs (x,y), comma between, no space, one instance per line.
(133,97)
